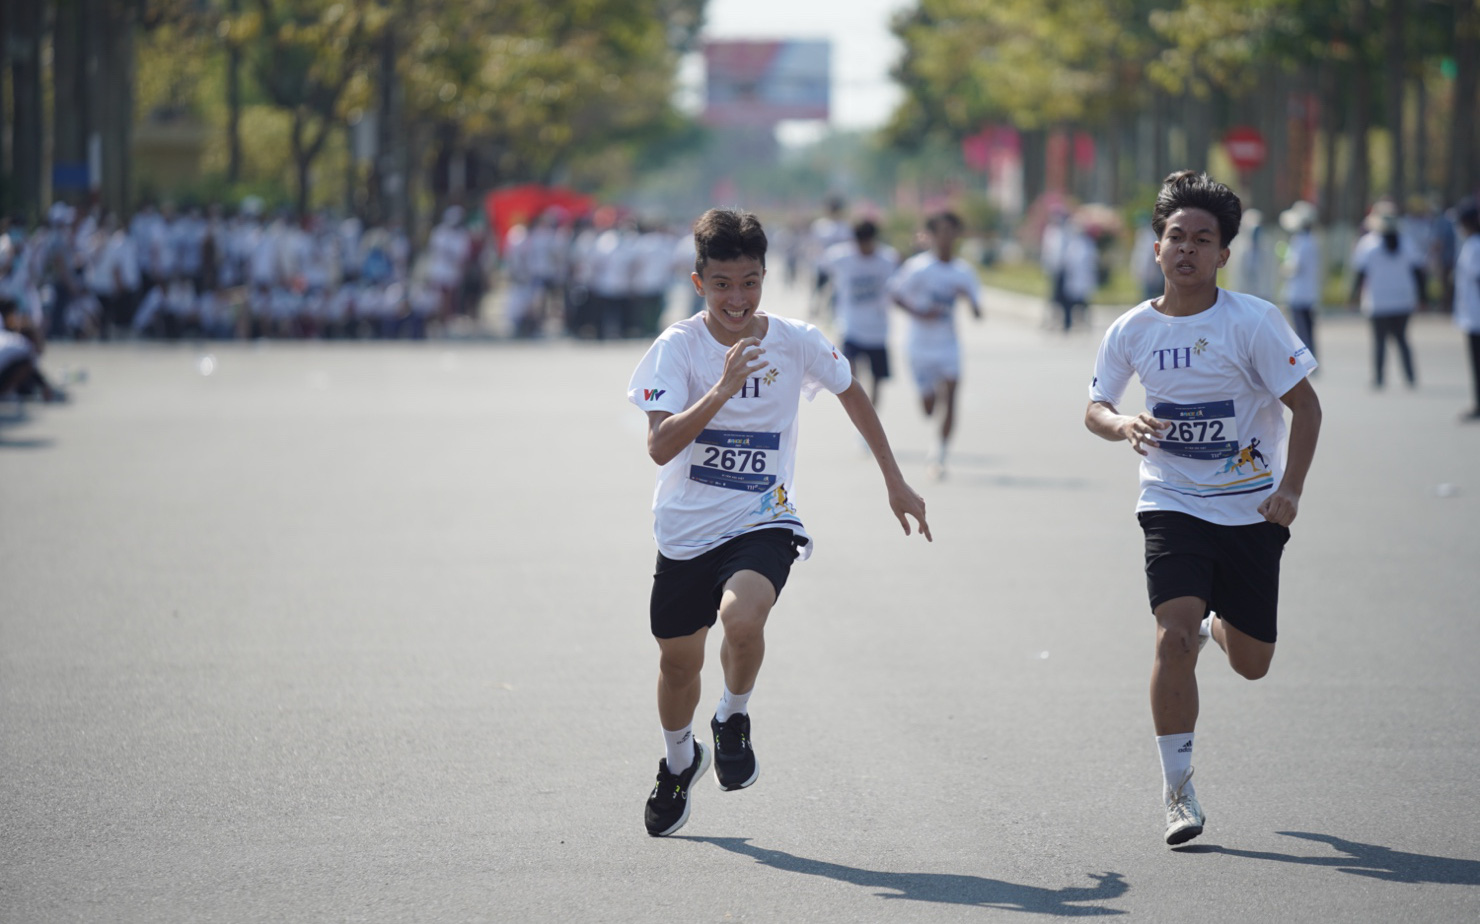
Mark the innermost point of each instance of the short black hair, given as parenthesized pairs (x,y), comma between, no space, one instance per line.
(728,234)
(940,218)
(865,230)
(1189,189)
(1467,213)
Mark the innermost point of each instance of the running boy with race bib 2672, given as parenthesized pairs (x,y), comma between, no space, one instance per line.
(721,391)
(1220,477)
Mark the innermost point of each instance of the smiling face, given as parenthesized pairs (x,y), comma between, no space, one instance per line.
(1191,249)
(732,293)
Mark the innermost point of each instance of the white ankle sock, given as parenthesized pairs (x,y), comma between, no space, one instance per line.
(1205,628)
(680,748)
(731,703)
(1176,760)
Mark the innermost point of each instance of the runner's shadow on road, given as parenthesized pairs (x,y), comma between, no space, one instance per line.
(944,888)
(1371,860)
(6,442)
(24,444)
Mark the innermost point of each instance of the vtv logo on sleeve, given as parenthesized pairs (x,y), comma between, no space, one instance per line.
(652,394)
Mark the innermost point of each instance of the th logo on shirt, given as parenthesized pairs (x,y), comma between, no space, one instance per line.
(752,387)
(1179,357)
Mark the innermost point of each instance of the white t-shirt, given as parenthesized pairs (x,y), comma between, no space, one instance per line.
(1467,286)
(448,250)
(737,477)
(611,264)
(652,263)
(1303,266)
(1390,287)
(13,347)
(1081,266)
(861,283)
(824,233)
(927,282)
(1218,376)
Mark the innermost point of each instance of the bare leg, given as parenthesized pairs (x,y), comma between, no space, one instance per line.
(743,610)
(948,398)
(1174,702)
(1248,656)
(680,661)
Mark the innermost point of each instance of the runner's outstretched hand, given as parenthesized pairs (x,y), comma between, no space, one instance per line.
(906,503)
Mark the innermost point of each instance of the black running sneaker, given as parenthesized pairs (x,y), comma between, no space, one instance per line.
(735,766)
(668,806)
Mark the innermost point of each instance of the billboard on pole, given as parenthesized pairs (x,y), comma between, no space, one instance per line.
(764,82)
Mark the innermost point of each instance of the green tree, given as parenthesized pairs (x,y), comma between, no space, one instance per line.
(307,56)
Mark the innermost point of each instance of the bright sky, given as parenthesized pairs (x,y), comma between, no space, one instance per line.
(863,49)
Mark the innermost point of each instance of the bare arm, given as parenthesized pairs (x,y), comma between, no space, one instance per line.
(902,498)
(1305,427)
(1104,421)
(907,307)
(976,306)
(669,434)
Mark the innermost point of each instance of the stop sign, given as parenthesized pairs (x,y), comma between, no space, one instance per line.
(1245,147)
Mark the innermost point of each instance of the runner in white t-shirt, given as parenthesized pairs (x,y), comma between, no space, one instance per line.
(927,287)
(859,271)
(826,231)
(721,391)
(1467,294)
(20,354)
(1220,479)
(1388,281)
(1304,270)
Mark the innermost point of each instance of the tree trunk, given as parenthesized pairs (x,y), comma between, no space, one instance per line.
(1035,152)
(1464,173)
(1359,178)
(301,164)
(1394,66)
(385,184)
(1421,181)
(70,97)
(114,87)
(233,104)
(24,26)
(1331,133)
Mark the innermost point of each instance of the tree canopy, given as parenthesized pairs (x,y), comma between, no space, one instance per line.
(539,89)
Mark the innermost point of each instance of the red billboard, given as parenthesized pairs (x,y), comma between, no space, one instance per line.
(765,82)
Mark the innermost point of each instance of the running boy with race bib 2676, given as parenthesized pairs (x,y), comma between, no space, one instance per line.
(721,391)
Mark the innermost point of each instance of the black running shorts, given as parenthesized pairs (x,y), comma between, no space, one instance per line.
(878,358)
(686,593)
(1236,569)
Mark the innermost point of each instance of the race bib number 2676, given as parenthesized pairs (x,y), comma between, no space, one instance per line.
(736,459)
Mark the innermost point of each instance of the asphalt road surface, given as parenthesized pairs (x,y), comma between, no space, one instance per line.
(358,632)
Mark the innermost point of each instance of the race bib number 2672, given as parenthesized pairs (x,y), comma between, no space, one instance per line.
(1199,431)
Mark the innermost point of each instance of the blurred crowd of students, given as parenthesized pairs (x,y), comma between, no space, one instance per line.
(88,274)
(599,277)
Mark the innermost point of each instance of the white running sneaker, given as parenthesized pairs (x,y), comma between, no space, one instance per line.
(1185,818)
(1205,630)
(935,463)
